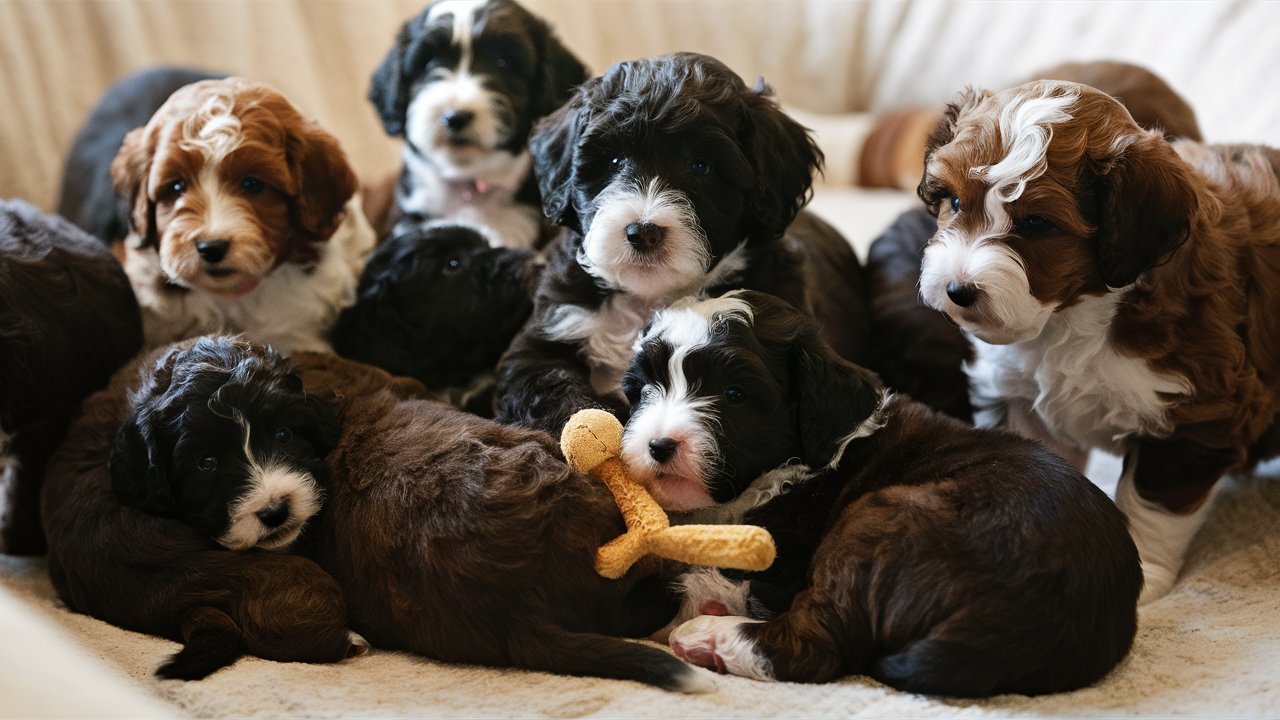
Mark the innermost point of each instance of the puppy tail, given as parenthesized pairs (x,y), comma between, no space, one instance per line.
(553,649)
(207,650)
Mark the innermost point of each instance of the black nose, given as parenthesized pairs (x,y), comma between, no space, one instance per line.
(662,449)
(275,514)
(212,251)
(962,295)
(457,120)
(645,237)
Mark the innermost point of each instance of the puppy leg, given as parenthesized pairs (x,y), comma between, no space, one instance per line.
(211,640)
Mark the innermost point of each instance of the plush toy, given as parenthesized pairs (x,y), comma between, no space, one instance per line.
(592,443)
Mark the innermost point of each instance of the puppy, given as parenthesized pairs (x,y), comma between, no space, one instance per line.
(1120,290)
(930,555)
(88,197)
(243,218)
(440,305)
(184,444)
(674,178)
(917,350)
(68,320)
(469,541)
(464,83)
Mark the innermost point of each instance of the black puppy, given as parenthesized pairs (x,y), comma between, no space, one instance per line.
(211,438)
(439,304)
(674,178)
(87,197)
(934,556)
(463,84)
(68,319)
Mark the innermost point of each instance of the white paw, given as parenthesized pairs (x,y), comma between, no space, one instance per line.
(717,642)
(359,646)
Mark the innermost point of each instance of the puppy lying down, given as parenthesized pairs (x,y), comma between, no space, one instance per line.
(211,437)
(933,556)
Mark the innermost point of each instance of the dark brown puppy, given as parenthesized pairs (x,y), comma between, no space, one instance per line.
(469,541)
(928,554)
(161,576)
(67,321)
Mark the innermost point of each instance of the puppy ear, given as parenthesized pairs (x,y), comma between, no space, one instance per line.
(130,170)
(784,158)
(136,476)
(325,183)
(943,133)
(388,88)
(1147,203)
(553,146)
(561,73)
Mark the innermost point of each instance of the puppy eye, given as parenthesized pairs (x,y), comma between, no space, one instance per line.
(177,187)
(452,267)
(735,394)
(501,63)
(284,435)
(252,185)
(207,464)
(1035,224)
(955,203)
(699,167)
(615,162)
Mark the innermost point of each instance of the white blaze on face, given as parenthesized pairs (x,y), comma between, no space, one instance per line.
(269,484)
(680,263)
(1006,310)
(672,410)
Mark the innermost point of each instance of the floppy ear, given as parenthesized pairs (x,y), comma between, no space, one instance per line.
(129,172)
(136,476)
(943,133)
(834,398)
(1147,203)
(388,88)
(553,146)
(561,73)
(784,158)
(325,183)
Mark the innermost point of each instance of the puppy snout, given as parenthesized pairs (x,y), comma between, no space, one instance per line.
(457,120)
(275,514)
(662,449)
(212,251)
(962,294)
(645,237)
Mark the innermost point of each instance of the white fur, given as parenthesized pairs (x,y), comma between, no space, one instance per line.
(494,213)
(291,310)
(1085,392)
(269,483)
(1162,536)
(218,134)
(680,264)
(1026,128)
(866,428)
(722,637)
(699,586)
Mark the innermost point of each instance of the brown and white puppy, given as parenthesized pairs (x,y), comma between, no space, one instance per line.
(934,556)
(145,440)
(1122,291)
(244,218)
(673,178)
(68,320)
(469,541)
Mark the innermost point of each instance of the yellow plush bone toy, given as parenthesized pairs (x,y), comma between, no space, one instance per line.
(592,443)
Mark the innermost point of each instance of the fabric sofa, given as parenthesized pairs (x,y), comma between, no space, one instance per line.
(1211,647)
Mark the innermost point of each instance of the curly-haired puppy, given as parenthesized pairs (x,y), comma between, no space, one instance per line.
(675,179)
(1122,291)
(68,320)
(469,541)
(439,304)
(211,437)
(87,196)
(928,554)
(464,83)
(918,350)
(243,218)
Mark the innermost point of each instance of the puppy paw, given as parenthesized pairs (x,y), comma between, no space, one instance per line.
(1157,581)
(358,645)
(717,643)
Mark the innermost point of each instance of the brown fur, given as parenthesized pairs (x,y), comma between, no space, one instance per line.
(469,541)
(157,575)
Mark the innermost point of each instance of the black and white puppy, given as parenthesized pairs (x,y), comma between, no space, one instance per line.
(87,197)
(223,438)
(463,85)
(68,320)
(439,304)
(931,555)
(674,178)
